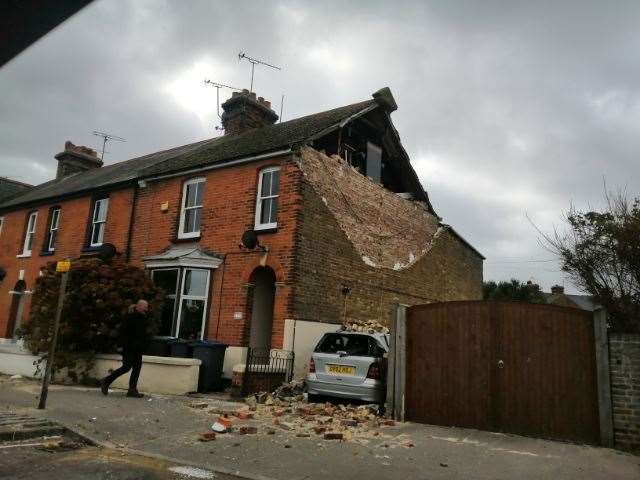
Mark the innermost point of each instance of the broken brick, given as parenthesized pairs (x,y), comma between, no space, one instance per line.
(207,436)
(349,423)
(389,423)
(333,436)
(319,430)
(243,415)
(225,421)
(303,435)
(247,430)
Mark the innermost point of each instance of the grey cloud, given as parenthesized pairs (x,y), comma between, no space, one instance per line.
(507,108)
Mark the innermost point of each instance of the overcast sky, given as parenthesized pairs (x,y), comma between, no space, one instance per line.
(507,109)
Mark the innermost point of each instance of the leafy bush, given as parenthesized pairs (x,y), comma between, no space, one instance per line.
(98,296)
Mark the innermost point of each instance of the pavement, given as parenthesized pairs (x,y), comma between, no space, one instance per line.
(166,428)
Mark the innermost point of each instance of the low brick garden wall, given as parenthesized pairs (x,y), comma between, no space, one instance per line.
(624,355)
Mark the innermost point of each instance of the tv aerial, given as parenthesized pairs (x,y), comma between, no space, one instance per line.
(106,137)
(254,62)
(218,86)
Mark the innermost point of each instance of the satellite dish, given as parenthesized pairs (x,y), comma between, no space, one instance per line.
(250,239)
(107,251)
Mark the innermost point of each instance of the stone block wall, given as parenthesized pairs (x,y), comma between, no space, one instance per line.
(624,357)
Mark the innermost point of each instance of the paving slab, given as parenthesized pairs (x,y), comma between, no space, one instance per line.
(167,426)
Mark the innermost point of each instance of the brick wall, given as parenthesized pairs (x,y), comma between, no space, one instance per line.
(327,261)
(228,211)
(71,238)
(624,357)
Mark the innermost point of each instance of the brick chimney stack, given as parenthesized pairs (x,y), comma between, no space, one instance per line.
(557,289)
(243,111)
(75,159)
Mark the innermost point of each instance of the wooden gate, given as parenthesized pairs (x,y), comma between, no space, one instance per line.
(503,366)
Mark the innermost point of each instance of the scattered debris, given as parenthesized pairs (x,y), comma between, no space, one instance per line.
(333,436)
(207,436)
(218,427)
(199,405)
(369,326)
(247,430)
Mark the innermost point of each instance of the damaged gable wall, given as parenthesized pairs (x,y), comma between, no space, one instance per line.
(387,250)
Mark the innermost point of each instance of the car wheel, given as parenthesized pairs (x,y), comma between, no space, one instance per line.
(313,397)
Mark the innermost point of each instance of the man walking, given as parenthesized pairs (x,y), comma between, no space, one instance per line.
(133,339)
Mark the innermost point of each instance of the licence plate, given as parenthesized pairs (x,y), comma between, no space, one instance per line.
(341,369)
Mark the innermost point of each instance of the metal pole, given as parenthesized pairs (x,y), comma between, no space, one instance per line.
(52,346)
(252,67)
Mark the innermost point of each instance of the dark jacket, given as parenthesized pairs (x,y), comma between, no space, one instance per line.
(133,332)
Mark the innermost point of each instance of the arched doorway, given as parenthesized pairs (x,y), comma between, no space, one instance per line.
(264,289)
(18,297)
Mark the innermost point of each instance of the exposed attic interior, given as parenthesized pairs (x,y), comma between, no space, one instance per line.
(368,145)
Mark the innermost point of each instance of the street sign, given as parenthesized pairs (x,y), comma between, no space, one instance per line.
(63,266)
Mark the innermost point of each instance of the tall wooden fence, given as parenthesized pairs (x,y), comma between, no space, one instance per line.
(530,369)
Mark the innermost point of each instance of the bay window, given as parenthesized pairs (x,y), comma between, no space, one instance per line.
(267,199)
(186,298)
(191,208)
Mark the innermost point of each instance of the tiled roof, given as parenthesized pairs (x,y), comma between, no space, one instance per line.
(206,152)
(10,188)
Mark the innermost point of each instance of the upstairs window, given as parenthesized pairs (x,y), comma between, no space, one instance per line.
(191,210)
(29,233)
(1,224)
(54,224)
(267,201)
(98,222)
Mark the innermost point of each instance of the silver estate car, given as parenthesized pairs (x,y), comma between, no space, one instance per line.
(349,365)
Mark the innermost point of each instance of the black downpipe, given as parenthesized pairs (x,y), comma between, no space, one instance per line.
(132,221)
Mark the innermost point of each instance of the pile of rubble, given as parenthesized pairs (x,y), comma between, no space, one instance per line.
(286,412)
(368,326)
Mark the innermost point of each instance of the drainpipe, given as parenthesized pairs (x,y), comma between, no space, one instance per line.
(132,220)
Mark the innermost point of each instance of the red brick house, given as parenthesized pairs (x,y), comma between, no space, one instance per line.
(344,228)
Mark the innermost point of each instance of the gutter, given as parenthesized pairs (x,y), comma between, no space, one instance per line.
(132,217)
(216,166)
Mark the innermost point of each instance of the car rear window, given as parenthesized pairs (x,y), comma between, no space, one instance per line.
(359,345)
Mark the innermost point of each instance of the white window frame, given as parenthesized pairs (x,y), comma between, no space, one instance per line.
(260,198)
(184,208)
(1,224)
(29,234)
(182,297)
(173,296)
(100,223)
(53,228)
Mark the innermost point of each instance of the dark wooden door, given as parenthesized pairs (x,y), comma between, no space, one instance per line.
(512,367)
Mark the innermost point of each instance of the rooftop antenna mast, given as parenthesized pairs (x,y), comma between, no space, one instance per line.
(106,137)
(218,86)
(254,62)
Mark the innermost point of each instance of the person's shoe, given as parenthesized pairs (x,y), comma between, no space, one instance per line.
(134,394)
(104,387)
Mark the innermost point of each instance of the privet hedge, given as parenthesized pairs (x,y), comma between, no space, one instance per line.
(99,293)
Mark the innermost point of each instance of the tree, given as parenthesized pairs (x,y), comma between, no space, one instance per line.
(98,296)
(601,253)
(513,290)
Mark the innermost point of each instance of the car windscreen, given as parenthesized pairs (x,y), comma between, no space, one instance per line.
(357,345)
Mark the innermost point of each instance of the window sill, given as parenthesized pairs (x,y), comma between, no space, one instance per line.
(261,230)
(186,239)
(47,254)
(23,255)
(89,250)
